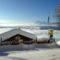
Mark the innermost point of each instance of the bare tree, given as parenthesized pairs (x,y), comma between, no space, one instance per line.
(58,14)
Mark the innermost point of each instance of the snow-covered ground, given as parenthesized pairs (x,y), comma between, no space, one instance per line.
(31,53)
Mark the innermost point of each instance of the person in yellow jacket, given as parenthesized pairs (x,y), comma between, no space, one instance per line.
(50,33)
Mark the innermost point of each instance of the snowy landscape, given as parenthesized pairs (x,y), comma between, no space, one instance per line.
(30,52)
(29,29)
(49,51)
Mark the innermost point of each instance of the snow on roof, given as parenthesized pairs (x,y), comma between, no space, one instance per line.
(3,30)
(9,32)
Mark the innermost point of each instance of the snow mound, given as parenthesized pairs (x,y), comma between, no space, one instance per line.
(58,42)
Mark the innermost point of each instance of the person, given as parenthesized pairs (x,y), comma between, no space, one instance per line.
(50,33)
